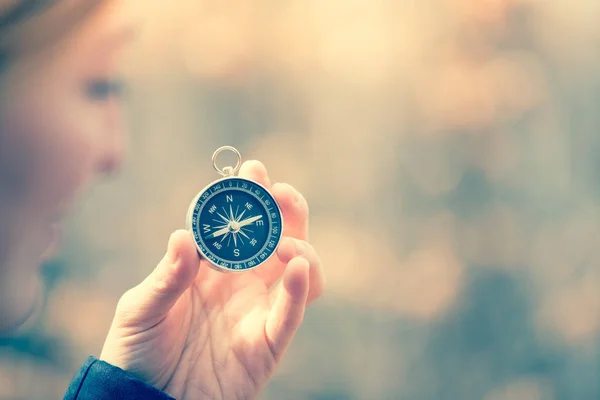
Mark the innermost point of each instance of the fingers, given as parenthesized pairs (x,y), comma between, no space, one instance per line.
(255,171)
(158,293)
(289,249)
(288,308)
(295,212)
(293,205)
(294,209)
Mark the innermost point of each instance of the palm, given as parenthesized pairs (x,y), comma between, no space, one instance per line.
(219,331)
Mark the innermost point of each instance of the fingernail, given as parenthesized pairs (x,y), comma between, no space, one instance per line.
(296,197)
(299,199)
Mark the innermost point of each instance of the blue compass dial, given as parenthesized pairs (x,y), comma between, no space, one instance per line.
(236,223)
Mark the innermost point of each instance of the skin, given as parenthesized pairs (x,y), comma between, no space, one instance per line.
(187,329)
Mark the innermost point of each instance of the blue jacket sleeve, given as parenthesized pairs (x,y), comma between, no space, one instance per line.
(98,380)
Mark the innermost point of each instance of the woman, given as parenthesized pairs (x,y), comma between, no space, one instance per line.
(186,331)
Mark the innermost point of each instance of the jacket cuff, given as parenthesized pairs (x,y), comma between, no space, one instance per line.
(97,380)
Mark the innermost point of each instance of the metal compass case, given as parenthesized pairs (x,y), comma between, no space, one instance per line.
(236,223)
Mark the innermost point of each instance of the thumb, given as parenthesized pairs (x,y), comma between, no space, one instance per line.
(159,292)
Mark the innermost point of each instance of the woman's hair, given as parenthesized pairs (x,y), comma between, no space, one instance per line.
(32,24)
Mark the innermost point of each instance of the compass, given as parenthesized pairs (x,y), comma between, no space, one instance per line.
(236,223)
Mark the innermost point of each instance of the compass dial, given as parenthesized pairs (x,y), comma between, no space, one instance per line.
(236,223)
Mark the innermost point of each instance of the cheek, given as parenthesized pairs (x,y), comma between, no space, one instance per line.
(50,151)
(62,167)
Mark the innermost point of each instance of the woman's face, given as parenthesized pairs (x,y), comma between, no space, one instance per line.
(60,127)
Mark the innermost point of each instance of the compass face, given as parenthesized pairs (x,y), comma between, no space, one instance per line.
(236,223)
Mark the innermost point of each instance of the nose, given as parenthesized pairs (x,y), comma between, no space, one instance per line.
(113,153)
(112,161)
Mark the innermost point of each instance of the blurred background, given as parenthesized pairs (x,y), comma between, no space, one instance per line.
(449,153)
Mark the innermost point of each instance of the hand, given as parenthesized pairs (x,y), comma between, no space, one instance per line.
(195,332)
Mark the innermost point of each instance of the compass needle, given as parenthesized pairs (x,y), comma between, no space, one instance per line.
(250,220)
(218,233)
